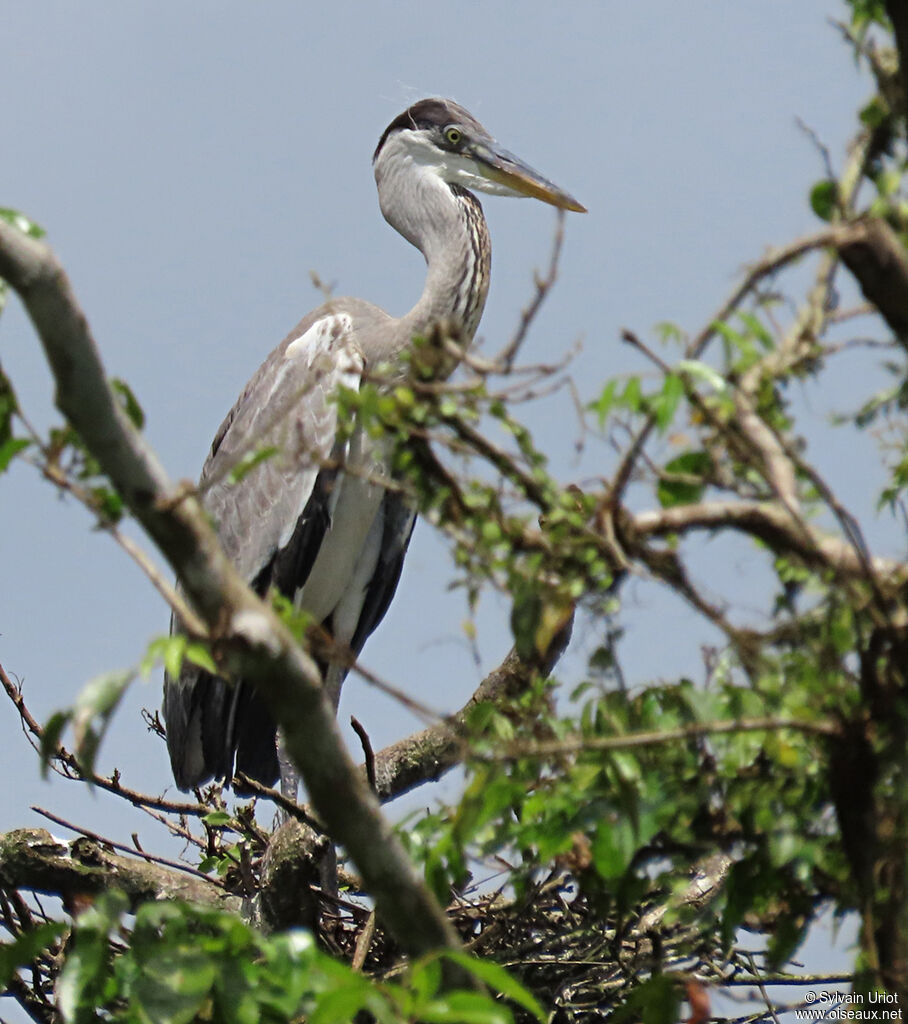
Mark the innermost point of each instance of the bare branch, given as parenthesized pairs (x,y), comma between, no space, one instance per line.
(427,755)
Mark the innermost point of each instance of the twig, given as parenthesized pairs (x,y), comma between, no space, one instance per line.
(368,753)
(505,358)
(295,810)
(363,942)
(770,522)
(762,988)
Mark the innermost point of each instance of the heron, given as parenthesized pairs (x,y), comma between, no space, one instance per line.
(313,520)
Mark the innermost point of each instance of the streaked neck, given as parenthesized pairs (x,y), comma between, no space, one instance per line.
(447,225)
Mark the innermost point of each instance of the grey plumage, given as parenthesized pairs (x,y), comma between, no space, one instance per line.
(312,519)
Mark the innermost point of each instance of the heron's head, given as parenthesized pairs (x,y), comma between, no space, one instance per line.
(439,138)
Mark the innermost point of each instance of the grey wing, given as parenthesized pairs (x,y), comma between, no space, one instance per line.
(287,418)
(274,516)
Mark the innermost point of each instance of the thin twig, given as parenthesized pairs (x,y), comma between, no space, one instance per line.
(630,741)
(295,810)
(505,358)
(368,752)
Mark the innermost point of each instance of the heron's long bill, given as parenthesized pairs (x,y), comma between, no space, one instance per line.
(503,167)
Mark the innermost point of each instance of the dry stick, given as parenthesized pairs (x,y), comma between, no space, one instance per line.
(363,942)
(762,988)
(254,643)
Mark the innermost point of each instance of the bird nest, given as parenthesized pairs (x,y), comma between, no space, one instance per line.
(579,964)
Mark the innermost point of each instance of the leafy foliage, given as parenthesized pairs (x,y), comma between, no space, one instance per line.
(175,963)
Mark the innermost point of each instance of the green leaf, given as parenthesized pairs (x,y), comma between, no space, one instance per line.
(703,372)
(217,818)
(51,736)
(92,712)
(341,1003)
(425,979)
(498,979)
(20,221)
(199,655)
(614,846)
(787,935)
(250,460)
(656,1001)
(824,199)
(526,614)
(874,113)
(10,449)
(172,987)
(758,329)
(632,396)
(888,181)
(684,492)
(23,950)
(87,966)
(172,651)
(128,402)
(669,331)
(465,1008)
(604,403)
(665,404)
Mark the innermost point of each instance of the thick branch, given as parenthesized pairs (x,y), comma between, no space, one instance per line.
(770,522)
(427,755)
(898,15)
(31,858)
(253,643)
(873,253)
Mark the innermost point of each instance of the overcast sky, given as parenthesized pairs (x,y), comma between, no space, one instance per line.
(192,168)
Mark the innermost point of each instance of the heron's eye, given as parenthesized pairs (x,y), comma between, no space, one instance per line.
(453,136)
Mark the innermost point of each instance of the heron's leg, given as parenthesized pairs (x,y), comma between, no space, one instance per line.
(290,777)
(290,783)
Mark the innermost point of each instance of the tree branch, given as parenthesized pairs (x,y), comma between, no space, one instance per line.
(771,522)
(250,640)
(31,858)
(427,755)
(871,250)
(898,15)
